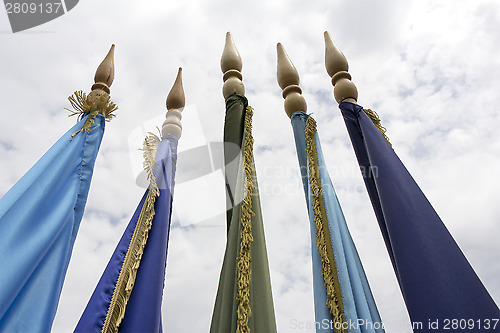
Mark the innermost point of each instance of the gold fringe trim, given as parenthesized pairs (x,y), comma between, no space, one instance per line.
(81,105)
(376,121)
(244,270)
(328,268)
(132,261)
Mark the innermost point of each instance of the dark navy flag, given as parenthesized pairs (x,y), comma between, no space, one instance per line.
(141,310)
(439,285)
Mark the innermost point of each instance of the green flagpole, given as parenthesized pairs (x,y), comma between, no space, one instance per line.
(244,299)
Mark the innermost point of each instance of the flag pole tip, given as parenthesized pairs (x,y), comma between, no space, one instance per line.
(288,80)
(286,71)
(105,73)
(337,68)
(230,58)
(104,76)
(176,98)
(176,101)
(231,65)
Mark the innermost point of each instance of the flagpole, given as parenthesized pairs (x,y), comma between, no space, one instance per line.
(244,297)
(231,65)
(129,294)
(344,89)
(51,196)
(337,67)
(436,280)
(98,100)
(104,77)
(175,104)
(342,294)
(288,80)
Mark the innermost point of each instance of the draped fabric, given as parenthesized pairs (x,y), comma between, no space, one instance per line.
(233,138)
(39,220)
(230,311)
(437,282)
(143,309)
(357,302)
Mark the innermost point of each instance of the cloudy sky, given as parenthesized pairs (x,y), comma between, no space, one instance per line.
(431,69)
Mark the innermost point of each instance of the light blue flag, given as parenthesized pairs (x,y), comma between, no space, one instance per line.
(355,306)
(39,220)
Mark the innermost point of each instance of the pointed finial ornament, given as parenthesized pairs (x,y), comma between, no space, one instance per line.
(288,80)
(230,64)
(175,104)
(337,67)
(104,76)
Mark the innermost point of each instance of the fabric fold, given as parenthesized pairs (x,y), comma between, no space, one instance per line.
(436,280)
(39,221)
(244,298)
(354,308)
(140,308)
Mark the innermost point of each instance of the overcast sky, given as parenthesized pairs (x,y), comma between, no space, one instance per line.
(431,69)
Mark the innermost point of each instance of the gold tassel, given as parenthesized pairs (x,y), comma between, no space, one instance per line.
(244,270)
(376,121)
(132,261)
(81,105)
(328,268)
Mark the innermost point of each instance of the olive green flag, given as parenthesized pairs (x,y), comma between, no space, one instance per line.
(244,301)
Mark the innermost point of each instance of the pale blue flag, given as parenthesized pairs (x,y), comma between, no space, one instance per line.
(39,220)
(355,308)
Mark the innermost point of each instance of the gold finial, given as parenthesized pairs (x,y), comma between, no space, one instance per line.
(176,98)
(175,104)
(230,64)
(337,67)
(104,76)
(288,80)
